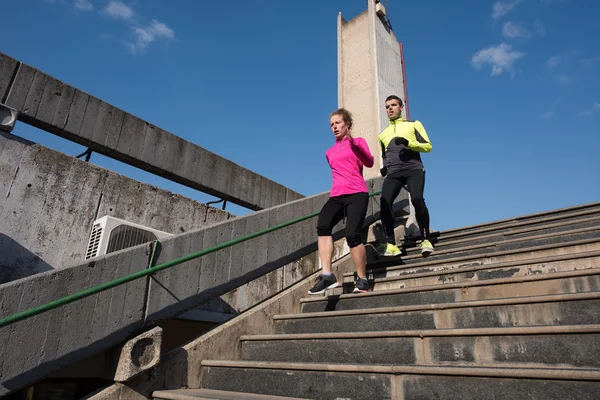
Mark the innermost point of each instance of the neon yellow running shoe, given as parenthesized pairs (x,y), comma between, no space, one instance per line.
(426,248)
(388,249)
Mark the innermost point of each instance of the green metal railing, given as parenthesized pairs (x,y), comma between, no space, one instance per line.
(148,271)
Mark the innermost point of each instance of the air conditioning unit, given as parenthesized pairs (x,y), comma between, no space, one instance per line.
(111,234)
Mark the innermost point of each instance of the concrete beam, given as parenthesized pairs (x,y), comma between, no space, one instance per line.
(56,107)
(35,347)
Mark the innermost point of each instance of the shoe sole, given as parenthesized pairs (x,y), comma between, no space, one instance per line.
(389,255)
(333,285)
(360,290)
(426,252)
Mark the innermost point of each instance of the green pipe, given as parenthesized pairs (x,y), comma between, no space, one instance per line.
(148,271)
(152,253)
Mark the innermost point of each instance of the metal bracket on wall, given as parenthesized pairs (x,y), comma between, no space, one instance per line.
(217,202)
(87,154)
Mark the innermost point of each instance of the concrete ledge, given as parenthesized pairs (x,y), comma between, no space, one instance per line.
(8,69)
(207,394)
(329,381)
(54,106)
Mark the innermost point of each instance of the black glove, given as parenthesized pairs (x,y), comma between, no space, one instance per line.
(383,171)
(401,140)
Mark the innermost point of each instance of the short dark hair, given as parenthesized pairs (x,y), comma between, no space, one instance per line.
(345,114)
(394,97)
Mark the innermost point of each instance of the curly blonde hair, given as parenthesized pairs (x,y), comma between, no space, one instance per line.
(346,116)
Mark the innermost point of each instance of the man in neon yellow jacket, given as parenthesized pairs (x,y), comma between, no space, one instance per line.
(402,143)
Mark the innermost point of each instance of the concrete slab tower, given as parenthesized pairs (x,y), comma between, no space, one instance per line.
(370,68)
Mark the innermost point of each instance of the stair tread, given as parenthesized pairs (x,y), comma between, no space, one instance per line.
(441,241)
(505,242)
(444,306)
(397,262)
(469,268)
(195,394)
(489,282)
(507,331)
(507,370)
(584,209)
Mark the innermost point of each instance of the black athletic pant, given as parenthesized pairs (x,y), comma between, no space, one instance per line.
(415,181)
(351,206)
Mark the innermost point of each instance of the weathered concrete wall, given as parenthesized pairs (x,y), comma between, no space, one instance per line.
(56,107)
(369,70)
(35,347)
(185,327)
(50,200)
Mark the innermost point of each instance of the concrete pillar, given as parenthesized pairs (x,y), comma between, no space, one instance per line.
(369,70)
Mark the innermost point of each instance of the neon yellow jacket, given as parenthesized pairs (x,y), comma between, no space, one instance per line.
(397,156)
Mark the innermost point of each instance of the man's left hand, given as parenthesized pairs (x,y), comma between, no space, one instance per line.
(401,140)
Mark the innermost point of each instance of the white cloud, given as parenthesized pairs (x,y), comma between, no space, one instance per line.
(83,5)
(500,8)
(143,35)
(540,29)
(589,62)
(552,62)
(591,111)
(142,32)
(117,10)
(148,34)
(564,79)
(162,30)
(547,115)
(501,58)
(514,30)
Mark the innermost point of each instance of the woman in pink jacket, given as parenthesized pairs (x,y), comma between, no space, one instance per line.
(349,198)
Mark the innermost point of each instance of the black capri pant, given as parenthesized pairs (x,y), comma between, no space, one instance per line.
(353,207)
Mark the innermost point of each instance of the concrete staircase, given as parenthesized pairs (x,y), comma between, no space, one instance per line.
(505,310)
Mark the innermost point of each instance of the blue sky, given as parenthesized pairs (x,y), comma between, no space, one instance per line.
(509,91)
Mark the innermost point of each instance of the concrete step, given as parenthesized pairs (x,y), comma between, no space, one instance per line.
(208,394)
(407,382)
(564,346)
(527,220)
(566,309)
(517,232)
(383,279)
(557,239)
(395,266)
(577,281)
